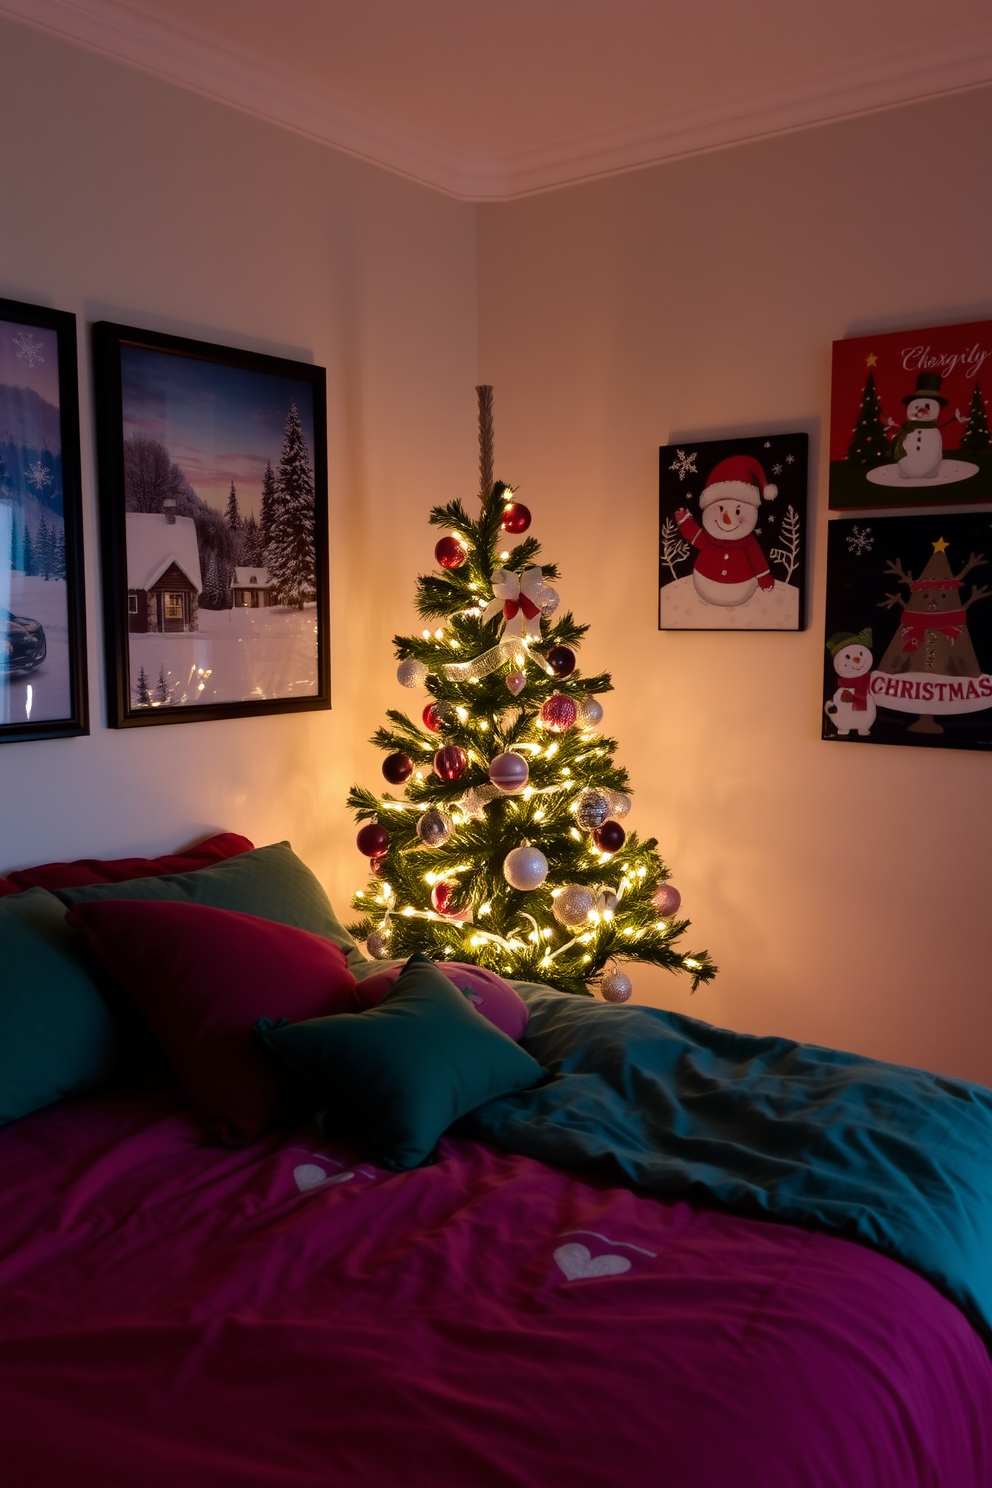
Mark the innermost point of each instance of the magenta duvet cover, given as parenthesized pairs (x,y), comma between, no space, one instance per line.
(177,1316)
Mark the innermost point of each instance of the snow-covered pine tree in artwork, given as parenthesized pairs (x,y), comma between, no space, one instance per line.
(142,691)
(267,508)
(291,556)
(509,847)
(869,444)
(976,435)
(253,550)
(233,512)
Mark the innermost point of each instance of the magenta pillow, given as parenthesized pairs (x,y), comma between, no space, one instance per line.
(86,871)
(201,977)
(488,994)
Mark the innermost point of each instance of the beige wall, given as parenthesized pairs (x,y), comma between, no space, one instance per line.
(843,891)
(126,199)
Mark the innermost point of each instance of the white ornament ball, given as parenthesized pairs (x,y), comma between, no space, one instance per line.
(411,673)
(591,810)
(377,946)
(434,827)
(525,868)
(616,987)
(589,712)
(509,772)
(572,905)
(607,902)
(618,803)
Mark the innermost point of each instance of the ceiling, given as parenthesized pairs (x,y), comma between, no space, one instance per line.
(491,99)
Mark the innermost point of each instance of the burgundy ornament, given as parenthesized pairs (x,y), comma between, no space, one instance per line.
(431,719)
(561,660)
(450,762)
(509,772)
(610,837)
(397,767)
(558,713)
(443,896)
(516,518)
(378,865)
(666,899)
(372,840)
(450,553)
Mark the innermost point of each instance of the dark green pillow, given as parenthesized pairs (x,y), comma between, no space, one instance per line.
(396,1076)
(56,1036)
(270,882)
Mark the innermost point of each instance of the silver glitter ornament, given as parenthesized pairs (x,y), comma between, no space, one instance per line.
(475,800)
(618,803)
(572,905)
(616,987)
(377,946)
(589,713)
(434,827)
(525,868)
(411,673)
(591,810)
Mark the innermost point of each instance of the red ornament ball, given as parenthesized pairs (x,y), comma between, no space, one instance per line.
(450,553)
(561,660)
(397,767)
(372,840)
(558,713)
(610,837)
(431,719)
(444,897)
(450,762)
(509,773)
(516,518)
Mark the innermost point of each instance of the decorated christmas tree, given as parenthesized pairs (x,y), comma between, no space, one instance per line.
(869,445)
(509,847)
(976,435)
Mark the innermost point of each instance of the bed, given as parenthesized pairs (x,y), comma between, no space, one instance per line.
(560,1297)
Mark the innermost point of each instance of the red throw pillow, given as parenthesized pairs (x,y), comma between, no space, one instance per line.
(201,977)
(489,994)
(85,871)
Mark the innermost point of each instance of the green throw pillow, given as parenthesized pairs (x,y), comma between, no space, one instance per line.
(270,882)
(396,1076)
(56,1036)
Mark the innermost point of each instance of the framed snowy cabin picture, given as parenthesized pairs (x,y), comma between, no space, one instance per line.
(732,534)
(43,690)
(909,418)
(908,653)
(213,483)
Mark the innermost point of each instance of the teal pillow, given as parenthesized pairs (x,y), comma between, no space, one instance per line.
(56,1036)
(396,1076)
(270,882)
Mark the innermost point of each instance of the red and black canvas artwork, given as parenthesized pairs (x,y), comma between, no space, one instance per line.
(909,418)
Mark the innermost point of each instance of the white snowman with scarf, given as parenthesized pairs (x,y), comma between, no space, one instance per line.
(852,705)
(730,566)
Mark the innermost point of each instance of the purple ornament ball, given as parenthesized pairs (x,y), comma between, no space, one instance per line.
(397,767)
(509,773)
(372,840)
(610,837)
(666,899)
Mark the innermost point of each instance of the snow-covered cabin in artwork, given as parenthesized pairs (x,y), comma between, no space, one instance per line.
(163,571)
(251,588)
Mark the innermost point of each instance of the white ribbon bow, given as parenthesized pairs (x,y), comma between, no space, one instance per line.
(523,599)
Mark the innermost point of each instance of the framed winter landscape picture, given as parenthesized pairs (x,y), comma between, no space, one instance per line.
(42,618)
(908,655)
(213,480)
(909,418)
(732,551)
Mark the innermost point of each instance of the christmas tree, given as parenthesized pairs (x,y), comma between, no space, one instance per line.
(507,849)
(976,435)
(869,445)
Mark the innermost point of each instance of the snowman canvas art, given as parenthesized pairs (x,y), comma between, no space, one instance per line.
(732,534)
(908,656)
(909,419)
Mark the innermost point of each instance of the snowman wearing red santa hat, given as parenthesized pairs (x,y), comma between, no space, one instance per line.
(730,565)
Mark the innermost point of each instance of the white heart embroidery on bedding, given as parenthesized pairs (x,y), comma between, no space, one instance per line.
(308,1175)
(577,1262)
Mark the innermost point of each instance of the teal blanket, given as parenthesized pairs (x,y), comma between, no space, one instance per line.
(896,1158)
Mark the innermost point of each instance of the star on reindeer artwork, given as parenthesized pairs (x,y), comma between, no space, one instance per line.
(908,654)
(909,420)
(733,534)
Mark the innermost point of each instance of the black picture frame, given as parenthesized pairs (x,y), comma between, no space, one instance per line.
(170,414)
(43,679)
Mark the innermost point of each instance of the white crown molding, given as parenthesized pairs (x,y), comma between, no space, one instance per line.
(198,60)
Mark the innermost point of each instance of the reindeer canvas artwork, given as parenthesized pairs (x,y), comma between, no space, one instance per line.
(908,654)
(732,539)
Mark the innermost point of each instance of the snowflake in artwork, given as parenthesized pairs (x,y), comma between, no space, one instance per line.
(777,469)
(27,349)
(790,459)
(768,444)
(859,542)
(39,476)
(684,464)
